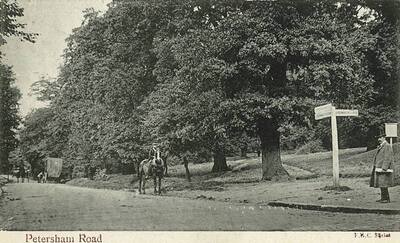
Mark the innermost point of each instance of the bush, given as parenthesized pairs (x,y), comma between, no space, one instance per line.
(112,167)
(199,157)
(173,160)
(294,136)
(311,147)
(127,168)
(78,171)
(67,172)
(100,175)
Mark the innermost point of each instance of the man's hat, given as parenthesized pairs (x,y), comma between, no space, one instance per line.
(381,133)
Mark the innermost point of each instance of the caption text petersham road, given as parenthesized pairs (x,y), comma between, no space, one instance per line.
(83,238)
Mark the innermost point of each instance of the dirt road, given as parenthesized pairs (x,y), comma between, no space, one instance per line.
(32,206)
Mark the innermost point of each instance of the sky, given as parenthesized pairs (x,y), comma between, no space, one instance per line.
(53,20)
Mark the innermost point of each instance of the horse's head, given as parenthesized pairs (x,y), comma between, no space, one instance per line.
(159,165)
(158,161)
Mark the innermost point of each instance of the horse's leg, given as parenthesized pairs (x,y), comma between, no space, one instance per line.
(155,182)
(159,185)
(140,183)
(144,183)
(139,187)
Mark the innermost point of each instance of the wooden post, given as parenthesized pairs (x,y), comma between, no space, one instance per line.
(335,148)
(325,111)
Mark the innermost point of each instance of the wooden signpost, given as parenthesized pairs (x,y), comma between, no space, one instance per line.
(330,111)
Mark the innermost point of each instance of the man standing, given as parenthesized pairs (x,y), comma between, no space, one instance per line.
(382,173)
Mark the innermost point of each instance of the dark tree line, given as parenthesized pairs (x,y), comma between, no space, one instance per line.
(9,93)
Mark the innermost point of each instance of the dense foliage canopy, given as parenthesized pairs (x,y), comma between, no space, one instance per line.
(209,78)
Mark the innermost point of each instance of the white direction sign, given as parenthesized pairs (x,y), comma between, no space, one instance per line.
(330,111)
(323,111)
(340,112)
(391,129)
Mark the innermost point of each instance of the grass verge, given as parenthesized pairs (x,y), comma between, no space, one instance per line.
(354,162)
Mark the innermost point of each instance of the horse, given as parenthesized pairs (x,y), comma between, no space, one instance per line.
(19,172)
(151,167)
(15,172)
(42,177)
(28,173)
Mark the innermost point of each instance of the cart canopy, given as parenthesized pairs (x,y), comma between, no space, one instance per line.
(54,167)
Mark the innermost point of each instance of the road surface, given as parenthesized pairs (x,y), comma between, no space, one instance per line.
(32,206)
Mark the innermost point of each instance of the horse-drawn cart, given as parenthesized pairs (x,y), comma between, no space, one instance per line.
(53,168)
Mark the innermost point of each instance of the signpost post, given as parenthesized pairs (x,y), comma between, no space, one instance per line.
(391,131)
(325,111)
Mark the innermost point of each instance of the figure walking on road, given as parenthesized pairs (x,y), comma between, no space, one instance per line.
(382,172)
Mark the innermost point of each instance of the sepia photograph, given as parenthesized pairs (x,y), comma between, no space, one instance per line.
(227,116)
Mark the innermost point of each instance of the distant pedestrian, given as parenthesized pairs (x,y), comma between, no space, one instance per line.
(382,172)
(42,177)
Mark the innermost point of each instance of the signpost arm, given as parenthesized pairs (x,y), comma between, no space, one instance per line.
(335,148)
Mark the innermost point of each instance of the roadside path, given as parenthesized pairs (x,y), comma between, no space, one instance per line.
(32,206)
(359,195)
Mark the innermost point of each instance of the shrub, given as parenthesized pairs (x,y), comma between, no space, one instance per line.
(127,168)
(100,175)
(311,147)
(78,171)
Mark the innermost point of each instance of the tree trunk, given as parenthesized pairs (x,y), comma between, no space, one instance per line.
(187,172)
(243,151)
(165,166)
(219,160)
(272,168)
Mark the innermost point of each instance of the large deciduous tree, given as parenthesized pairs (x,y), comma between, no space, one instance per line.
(9,93)
(109,70)
(9,118)
(383,64)
(267,63)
